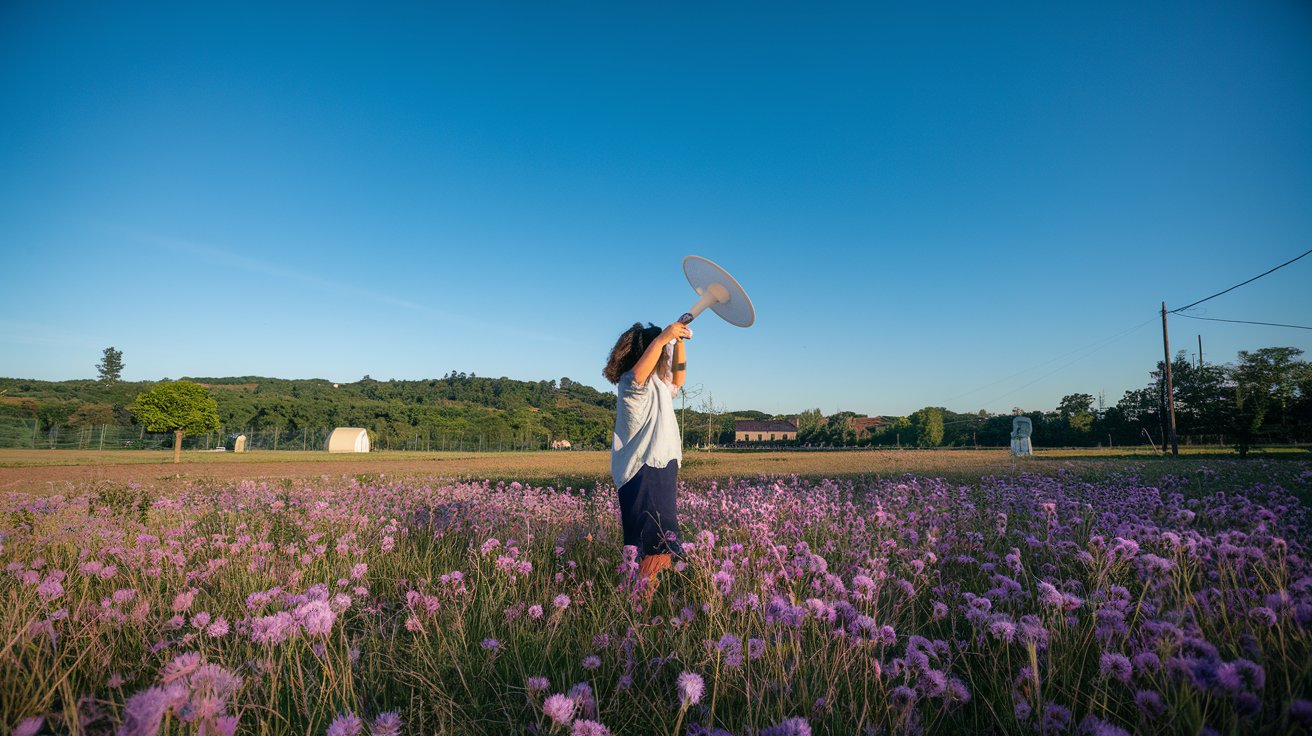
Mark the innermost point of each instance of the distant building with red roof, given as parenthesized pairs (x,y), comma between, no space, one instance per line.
(866,426)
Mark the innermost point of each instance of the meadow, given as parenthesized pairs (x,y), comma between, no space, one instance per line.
(881,593)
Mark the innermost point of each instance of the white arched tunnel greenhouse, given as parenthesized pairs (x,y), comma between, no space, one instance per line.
(348,439)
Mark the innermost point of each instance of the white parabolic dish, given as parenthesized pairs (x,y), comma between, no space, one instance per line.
(730,301)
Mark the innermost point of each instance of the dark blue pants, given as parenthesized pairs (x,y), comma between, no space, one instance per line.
(647,512)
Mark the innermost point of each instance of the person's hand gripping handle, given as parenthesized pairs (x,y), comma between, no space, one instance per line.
(678,330)
(685,319)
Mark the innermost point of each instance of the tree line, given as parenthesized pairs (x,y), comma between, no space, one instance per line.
(458,409)
(1265,397)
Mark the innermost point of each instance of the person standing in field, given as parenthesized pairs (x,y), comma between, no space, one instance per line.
(648,366)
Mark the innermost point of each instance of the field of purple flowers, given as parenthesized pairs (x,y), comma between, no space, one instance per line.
(1106,603)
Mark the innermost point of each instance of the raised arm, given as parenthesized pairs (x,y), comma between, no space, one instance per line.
(680,366)
(652,355)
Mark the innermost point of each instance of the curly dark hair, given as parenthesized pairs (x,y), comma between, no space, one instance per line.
(629,348)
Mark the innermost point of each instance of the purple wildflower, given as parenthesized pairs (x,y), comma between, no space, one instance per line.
(1050,596)
(732,648)
(1003,629)
(1095,726)
(29,727)
(273,629)
(143,711)
(388,723)
(1155,565)
(957,690)
(1056,718)
(181,666)
(1300,710)
(214,679)
(346,724)
(1124,549)
(1150,704)
(582,695)
(1247,705)
(887,636)
(559,708)
(902,696)
(1263,616)
(691,687)
(934,683)
(50,589)
(316,618)
(1116,666)
(591,662)
(583,727)
(1030,630)
(1229,677)
(1146,662)
(796,726)
(218,627)
(182,601)
(537,684)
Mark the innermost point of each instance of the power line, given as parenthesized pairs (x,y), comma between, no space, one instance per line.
(1084,349)
(1087,351)
(1236,286)
(1246,322)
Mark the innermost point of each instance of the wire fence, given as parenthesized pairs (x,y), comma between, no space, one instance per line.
(16,433)
(26,433)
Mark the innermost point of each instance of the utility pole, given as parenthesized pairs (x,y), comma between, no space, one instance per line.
(1200,351)
(1170,394)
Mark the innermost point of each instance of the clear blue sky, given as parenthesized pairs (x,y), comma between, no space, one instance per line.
(948,205)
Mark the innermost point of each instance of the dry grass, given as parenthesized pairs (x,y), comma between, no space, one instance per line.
(40,469)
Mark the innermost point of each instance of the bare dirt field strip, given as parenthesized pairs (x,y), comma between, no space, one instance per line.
(38,469)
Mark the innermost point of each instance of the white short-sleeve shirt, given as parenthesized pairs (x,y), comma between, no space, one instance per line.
(646,428)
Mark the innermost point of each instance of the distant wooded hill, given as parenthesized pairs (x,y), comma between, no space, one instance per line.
(495,411)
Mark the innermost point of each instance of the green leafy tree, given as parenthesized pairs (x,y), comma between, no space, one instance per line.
(180,407)
(1203,398)
(1267,382)
(838,429)
(928,423)
(91,415)
(897,432)
(1076,412)
(808,425)
(110,366)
